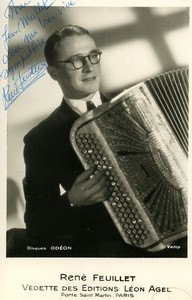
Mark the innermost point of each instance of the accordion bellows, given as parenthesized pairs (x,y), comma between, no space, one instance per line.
(139,139)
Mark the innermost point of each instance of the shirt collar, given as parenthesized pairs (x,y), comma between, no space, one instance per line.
(79,105)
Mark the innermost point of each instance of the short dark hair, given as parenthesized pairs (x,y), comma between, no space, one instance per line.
(68,30)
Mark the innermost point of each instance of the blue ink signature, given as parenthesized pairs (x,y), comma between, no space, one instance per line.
(31,49)
(45,4)
(23,58)
(12,10)
(8,35)
(24,21)
(22,82)
(67,5)
(9,13)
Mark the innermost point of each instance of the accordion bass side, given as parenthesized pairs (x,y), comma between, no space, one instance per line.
(139,139)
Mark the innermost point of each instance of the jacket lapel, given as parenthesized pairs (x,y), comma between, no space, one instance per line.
(67,114)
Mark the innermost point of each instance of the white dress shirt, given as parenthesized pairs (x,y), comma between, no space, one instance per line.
(80,106)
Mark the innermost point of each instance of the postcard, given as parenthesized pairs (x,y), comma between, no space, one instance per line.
(95,150)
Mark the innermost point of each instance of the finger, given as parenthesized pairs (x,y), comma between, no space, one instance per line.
(96,179)
(92,189)
(99,196)
(96,199)
(85,175)
(100,185)
(98,189)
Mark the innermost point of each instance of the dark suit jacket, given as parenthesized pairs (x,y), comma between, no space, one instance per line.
(51,161)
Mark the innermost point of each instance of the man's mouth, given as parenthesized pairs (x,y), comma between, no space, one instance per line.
(89,78)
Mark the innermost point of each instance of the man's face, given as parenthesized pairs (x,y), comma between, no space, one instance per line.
(76,84)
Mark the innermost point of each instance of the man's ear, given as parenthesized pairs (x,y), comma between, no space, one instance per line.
(52,72)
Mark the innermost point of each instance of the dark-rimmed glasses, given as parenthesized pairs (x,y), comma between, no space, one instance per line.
(78,61)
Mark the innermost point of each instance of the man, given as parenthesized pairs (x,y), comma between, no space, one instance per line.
(77,217)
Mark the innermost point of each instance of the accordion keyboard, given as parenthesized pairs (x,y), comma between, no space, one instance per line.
(124,209)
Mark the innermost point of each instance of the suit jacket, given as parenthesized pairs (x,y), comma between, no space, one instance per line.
(50,162)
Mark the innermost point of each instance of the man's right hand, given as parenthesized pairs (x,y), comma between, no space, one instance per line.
(88,188)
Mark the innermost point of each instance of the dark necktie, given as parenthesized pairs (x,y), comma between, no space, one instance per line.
(90,105)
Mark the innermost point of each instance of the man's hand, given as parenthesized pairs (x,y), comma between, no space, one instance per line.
(88,188)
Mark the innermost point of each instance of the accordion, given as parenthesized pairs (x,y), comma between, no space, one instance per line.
(139,139)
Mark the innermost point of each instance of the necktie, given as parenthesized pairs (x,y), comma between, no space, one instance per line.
(90,105)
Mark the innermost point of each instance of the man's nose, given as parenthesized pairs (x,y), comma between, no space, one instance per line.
(88,65)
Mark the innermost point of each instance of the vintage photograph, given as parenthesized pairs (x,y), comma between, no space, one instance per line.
(97,131)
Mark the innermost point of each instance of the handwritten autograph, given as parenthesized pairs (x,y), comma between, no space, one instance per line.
(17,57)
(11,11)
(22,82)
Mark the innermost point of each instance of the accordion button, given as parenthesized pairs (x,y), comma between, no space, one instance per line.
(98,156)
(107,173)
(110,188)
(84,141)
(140,242)
(131,216)
(134,242)
(116,209)
(99,167)
(96,152)
(78,140)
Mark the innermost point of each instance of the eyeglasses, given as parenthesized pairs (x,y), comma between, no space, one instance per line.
(78,61)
